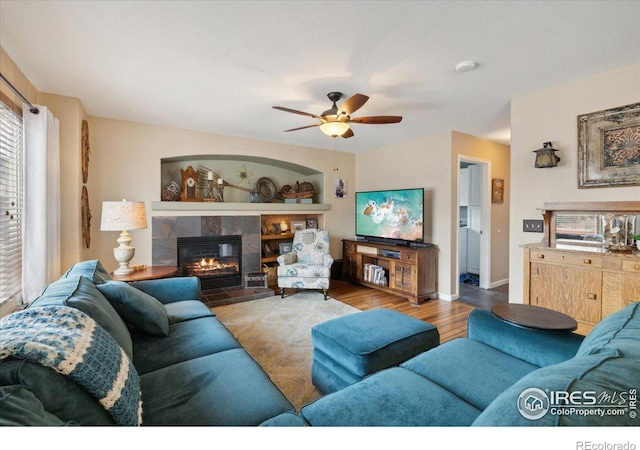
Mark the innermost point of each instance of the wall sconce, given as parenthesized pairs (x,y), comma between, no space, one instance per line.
(545,156)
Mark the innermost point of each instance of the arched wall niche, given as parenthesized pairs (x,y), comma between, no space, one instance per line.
(243,172)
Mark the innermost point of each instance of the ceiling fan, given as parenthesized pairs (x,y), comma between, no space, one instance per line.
(335,122)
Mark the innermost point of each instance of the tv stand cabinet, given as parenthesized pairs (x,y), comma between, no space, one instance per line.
(409,271)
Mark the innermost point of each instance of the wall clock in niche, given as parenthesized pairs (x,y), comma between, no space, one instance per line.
(85,151)
(190,185)
(86,218)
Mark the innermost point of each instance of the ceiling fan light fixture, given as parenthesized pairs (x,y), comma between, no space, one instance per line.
(335,122)
(334,129)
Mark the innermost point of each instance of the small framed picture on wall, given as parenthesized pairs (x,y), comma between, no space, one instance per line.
(497,190)
(340,187)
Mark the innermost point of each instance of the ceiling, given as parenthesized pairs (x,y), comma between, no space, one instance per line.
(219,66)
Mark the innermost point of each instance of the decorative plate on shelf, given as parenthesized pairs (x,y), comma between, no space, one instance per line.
(171,192)
(266,189)
(86,218)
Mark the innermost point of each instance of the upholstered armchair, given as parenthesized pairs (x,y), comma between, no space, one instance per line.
(308,264)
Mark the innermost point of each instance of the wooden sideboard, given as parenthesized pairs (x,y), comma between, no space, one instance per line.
(586,285)
(408,271)
(586,282)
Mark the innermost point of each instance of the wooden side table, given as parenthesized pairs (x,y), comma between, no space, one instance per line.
(534,317)
(150,273)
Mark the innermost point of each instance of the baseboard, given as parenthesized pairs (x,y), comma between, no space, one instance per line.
(450,297)
(447,297)
(495,284)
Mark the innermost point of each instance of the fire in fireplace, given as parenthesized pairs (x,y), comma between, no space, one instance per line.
(216,260)
(209,266)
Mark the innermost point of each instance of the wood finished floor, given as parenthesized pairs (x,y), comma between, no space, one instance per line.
(449,316)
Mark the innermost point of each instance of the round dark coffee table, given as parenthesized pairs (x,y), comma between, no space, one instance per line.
(534,317)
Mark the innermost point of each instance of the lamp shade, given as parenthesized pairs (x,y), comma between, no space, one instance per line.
(124,215)
(334,129)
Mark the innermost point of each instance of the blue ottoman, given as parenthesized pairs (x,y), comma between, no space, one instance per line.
(348,348)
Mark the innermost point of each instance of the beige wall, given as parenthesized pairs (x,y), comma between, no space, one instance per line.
(431,162)
(125,163)
(498,157)
(551,115)
(428,162)
(70,113)
(406,165)
(15,76)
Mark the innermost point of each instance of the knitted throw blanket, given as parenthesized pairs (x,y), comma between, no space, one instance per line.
(73,344)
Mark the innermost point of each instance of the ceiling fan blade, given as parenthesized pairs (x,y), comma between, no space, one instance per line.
(294,111)
(352,104)
(376,120)
(347,134)
(302,128)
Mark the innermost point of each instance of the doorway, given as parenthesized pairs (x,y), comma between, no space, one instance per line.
(474,222)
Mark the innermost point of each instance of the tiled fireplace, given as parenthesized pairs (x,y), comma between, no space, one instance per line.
(216,263)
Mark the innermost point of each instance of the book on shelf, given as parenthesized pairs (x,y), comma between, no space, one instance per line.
(375,274)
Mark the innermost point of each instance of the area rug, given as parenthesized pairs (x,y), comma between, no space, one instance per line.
(277,334)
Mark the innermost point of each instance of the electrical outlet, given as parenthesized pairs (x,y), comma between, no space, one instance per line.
(532,226)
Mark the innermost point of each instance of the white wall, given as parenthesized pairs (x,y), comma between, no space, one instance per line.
(551,115)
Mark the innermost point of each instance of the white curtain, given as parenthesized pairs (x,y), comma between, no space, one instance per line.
(41,219)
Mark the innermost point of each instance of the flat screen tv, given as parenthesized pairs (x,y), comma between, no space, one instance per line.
(390,216)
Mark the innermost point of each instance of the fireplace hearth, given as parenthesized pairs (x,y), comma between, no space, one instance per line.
(216,260)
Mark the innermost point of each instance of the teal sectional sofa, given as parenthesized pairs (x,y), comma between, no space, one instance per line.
(500,375)
(187,368)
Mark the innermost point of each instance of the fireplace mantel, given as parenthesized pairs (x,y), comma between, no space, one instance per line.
(250,207)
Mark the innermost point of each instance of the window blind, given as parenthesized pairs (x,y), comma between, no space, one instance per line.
(11,202)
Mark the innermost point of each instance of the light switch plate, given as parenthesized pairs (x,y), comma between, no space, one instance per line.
(533,226)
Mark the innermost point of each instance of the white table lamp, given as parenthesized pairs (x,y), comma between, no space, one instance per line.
(123,216)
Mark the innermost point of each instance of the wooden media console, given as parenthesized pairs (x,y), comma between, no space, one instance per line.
(406,271)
